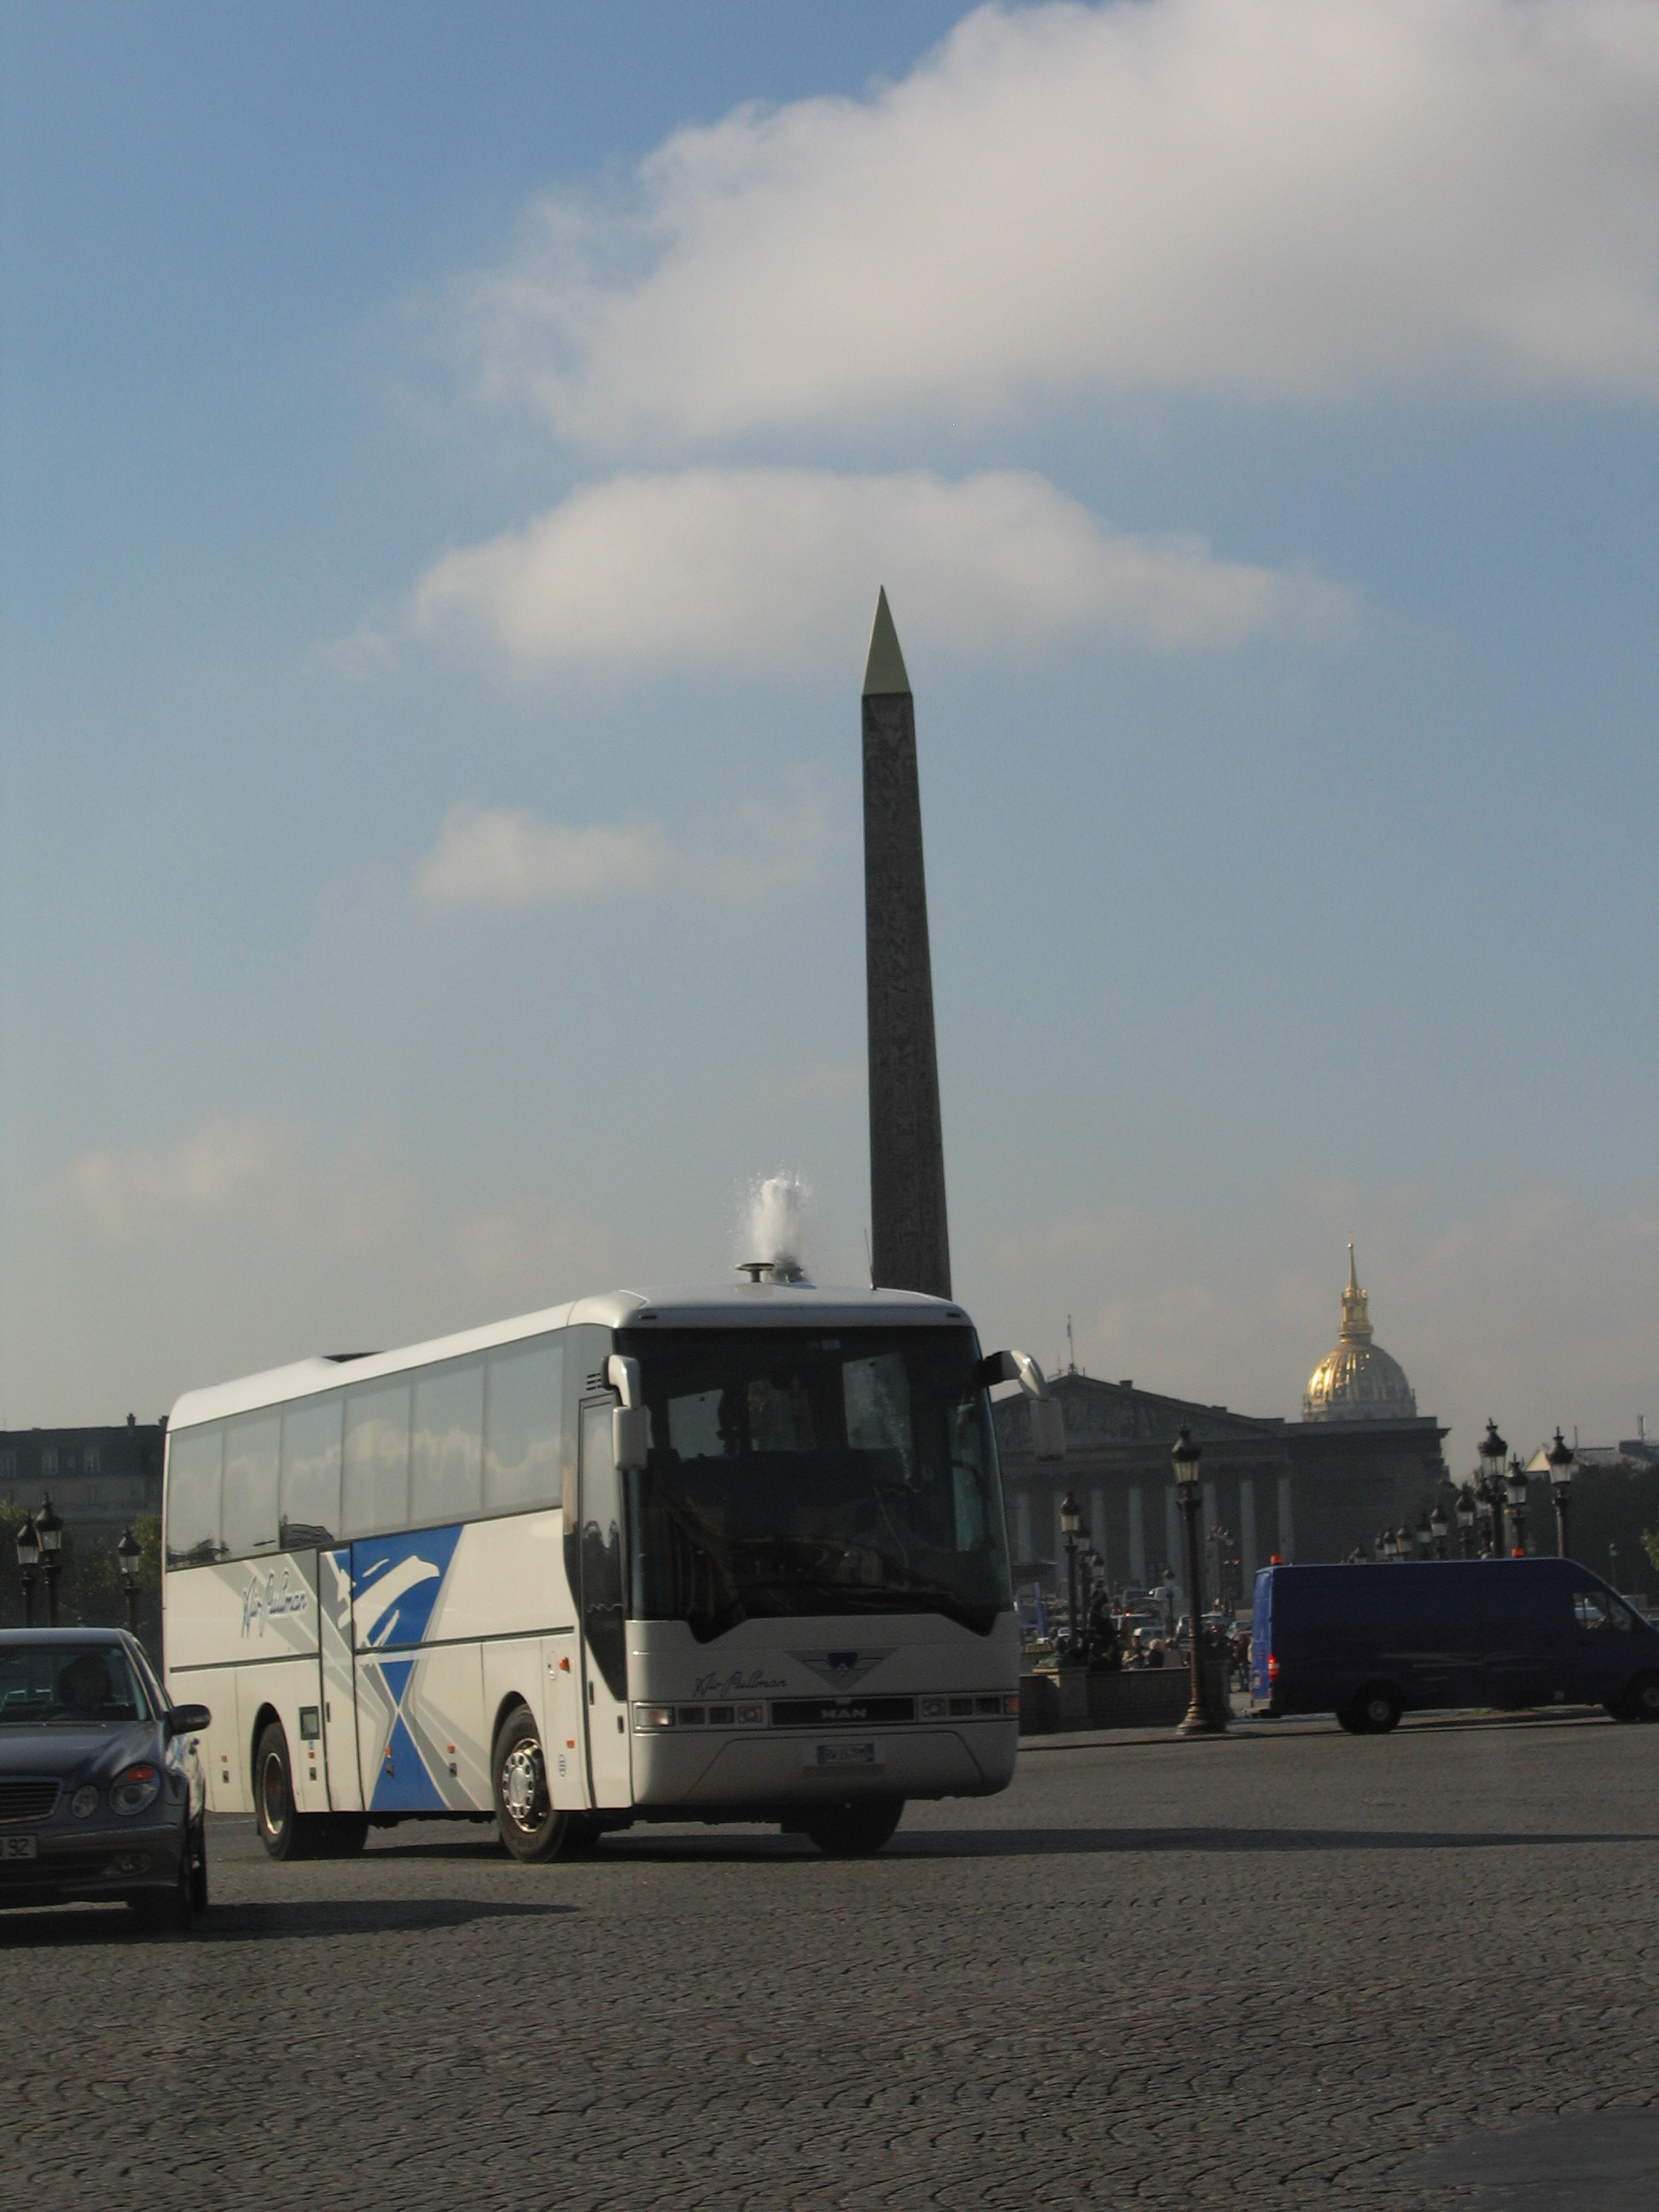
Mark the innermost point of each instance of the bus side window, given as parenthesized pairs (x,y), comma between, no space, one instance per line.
(195,1464)
(445,1455)
(524,1419)
(376,1484)
(308,1490)
(251,1447)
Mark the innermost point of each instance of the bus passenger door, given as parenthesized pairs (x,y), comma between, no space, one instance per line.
(604,1652)
(339,1684)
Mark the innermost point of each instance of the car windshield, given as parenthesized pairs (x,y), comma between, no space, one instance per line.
(55,1685)
(812,1472)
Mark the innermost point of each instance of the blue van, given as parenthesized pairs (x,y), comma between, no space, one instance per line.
(1370,1643)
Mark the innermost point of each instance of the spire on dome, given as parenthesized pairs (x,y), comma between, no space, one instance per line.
(1356,1314)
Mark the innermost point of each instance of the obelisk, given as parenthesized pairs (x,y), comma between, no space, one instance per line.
(909,1239)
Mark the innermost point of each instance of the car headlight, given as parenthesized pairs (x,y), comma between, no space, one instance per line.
(138,1787)
(85,1804)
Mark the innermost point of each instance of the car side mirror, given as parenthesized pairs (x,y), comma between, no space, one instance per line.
(187,1720)
(630,1437)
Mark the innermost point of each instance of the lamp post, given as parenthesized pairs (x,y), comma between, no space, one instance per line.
(28,1561)
(129,1551)
(1465,1510)
(1612,1565)
(1403,1541)
(1516,1489)
(51,1554)
(1439,1528)
(1425,1537)
(1561,1464)
(1492,1450)
(1203,1717)
(1071,1527)
(1389,1545)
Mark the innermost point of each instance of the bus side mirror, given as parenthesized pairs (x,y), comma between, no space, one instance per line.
(630,1437)
(1012,1367)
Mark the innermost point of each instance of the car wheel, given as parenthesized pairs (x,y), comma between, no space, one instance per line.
(530,1826)
(1378,1705)
(282,1830)
(1642,1698)
(854,1829)
(199,1871)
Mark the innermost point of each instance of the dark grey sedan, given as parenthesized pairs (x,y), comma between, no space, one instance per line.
(101,1790)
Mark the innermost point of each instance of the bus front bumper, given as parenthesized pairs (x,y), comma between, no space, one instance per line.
(773,1766)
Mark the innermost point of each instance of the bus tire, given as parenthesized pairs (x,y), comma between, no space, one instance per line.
(856,1828)
(531,1827)
(1379,1707)
(1642,1698)
(282,1830)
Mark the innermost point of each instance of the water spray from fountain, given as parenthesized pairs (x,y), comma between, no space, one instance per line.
(772,1227)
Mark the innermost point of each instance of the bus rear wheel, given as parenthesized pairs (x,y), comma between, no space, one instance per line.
(530,1826)
(856,1828)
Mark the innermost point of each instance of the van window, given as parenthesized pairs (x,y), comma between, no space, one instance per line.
(195,1459)
(1598,1610)
(448,1441)
(251,1446)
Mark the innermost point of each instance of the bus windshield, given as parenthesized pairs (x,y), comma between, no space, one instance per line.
(811,1472)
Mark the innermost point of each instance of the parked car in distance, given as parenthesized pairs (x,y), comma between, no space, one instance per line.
(102,1794)
(1369,1641)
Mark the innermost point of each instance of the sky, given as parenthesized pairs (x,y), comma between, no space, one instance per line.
(447,460)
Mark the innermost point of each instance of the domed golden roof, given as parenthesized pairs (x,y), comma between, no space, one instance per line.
(1357,1380)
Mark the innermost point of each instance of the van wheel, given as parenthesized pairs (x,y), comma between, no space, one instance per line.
(1378,1705)
(1642,1698)
(1351,1718)
(282,1832)
(855,1829)
(530,1827)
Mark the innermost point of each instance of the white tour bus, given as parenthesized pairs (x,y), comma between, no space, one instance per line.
(734,1554)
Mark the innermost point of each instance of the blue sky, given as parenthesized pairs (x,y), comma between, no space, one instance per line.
(448,462)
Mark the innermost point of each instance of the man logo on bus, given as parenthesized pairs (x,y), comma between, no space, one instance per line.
(841,1670)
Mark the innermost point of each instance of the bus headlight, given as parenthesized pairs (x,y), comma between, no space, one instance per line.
(653,1716)
(935,1709)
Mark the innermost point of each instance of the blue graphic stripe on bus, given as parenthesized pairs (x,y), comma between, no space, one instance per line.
(402,1784)
(395,1581)
(395,1673)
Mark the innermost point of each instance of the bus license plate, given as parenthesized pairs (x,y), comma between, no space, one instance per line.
(16,1847)
(845,1754)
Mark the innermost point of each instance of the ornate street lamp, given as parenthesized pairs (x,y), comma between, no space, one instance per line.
(1492,1450)
(51,1554)
(1465,1510)
(1071,1527)
(1561,1464)
(1403,1540)
(1439,1529)
(1424,1536)
(1205,1717)
(129,1551)
(1517,1487)
(28,1561)
(1389,1545)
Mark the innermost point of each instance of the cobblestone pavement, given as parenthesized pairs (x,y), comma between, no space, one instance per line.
(1274,1971)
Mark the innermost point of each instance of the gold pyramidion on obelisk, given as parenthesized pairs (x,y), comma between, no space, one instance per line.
(909,1237)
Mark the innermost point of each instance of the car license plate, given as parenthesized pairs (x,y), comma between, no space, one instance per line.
(16,1847)
(864,1753)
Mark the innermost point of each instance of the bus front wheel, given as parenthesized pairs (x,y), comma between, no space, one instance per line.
(282,1830)
(530,1826)
(855,1828)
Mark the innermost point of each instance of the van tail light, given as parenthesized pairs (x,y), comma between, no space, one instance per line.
(1272,1667)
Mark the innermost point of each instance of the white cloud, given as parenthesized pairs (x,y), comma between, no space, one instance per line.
(235,1169)
(508,858)
(776,567)
(1264,196)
